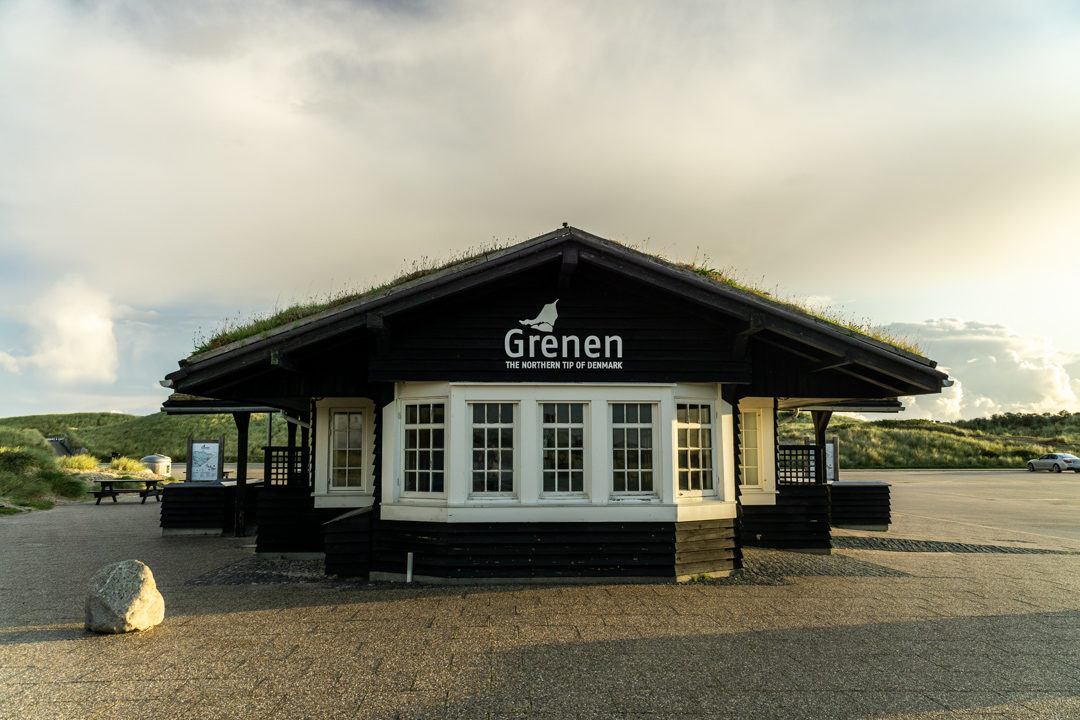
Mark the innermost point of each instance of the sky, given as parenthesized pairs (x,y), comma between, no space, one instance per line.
(169,168)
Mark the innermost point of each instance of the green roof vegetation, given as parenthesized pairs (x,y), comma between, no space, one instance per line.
(233,331)
(835,317)
(260,325)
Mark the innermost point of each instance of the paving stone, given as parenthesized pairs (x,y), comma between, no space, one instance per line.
(860,633)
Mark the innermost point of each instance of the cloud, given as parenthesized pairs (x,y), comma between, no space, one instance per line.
(71,329)
(333,142)
(8,362)
(994,370)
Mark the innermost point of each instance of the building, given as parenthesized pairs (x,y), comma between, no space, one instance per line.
(563,407)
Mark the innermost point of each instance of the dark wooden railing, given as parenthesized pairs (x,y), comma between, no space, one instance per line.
(285,466)
(800,465)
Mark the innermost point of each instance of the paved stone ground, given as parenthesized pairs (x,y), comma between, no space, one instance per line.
(874,631)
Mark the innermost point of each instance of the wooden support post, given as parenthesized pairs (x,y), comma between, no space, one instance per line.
(821,422)
(305,445)
(241,419)
(291,469)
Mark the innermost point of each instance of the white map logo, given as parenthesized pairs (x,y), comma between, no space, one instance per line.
(545,320)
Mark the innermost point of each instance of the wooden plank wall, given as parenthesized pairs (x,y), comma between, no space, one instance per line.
(864,505)
(799,520)
(706,546)
(289,522)
(347,544)
(508,550)
(204,506)
(525,550)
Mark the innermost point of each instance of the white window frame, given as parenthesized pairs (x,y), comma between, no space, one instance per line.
(401,430)
(325,494)
(765,492)
(515,465)
(586,450)
(657,457)
(758,465)
(714,438)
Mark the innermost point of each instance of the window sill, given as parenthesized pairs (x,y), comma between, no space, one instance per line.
(752,495)
(422,499)
(492,500)
(344,500)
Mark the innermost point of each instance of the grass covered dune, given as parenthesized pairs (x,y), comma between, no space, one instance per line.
(32,477)
(1001,441)
(102,434)
(29,474)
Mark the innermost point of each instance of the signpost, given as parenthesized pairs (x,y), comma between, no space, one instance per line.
(205,459)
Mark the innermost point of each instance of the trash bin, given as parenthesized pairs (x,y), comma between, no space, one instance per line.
(158,464)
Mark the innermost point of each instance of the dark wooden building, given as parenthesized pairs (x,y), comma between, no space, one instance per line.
(563,407)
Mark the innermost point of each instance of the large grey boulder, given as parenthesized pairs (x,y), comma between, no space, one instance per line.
(123,597)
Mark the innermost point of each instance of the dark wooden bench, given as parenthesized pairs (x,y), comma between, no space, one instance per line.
(108,490)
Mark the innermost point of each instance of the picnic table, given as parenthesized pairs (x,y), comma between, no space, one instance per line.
(151,486)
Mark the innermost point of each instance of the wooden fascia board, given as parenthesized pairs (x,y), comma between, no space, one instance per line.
(846,369)
(223,379)
(832,364)
(893,390)
(788,403)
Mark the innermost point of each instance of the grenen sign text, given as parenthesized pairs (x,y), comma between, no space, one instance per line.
(563,352)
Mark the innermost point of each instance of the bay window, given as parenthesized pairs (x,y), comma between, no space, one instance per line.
(480,452)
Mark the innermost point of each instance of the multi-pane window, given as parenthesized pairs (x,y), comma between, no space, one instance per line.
(750,448)
(493,447)
(632,447)
(563,447)
(425,447)
(347,451)
(694,425)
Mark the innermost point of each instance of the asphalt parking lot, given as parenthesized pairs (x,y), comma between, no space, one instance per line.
(969,607)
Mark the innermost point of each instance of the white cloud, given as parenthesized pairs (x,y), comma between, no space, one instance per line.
(301,140)
(8,362)
(71,329)
(994,370)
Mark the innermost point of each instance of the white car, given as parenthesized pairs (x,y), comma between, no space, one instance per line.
(1055,462)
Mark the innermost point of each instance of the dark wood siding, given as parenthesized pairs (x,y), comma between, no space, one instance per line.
(204,506)
(289,522)
(462,338)
(510,550)
(799,520)
(347,542)
(530,550)
(860,504)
